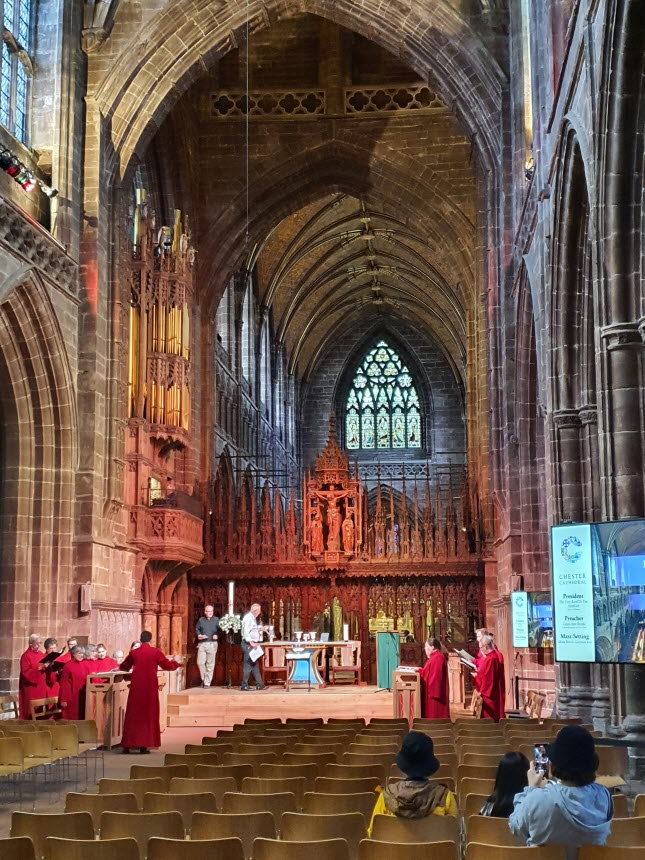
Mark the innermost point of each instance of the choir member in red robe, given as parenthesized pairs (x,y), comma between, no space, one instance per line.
(51,673)
(141,723)
(490,681)
(66,657)
(33,681)
(72,685)
(91,658)
(104,663)
(435,704)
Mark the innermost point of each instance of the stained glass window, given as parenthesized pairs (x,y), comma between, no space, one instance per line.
(383,409)
(15,66)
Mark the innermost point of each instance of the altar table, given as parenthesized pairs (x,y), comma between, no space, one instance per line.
(304,668)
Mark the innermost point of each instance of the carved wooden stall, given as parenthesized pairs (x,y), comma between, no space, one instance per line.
(392,566)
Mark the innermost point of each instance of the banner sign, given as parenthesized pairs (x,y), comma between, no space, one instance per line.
(520,619)
(571,568)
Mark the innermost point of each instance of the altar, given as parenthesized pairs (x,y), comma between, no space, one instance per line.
(303,661)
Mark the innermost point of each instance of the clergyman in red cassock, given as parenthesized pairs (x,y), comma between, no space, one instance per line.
(141,723)
(72,685)
(490,681)
(33,682)
(435,702)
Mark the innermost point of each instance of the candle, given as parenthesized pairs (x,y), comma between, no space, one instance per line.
(231,595)
(345,632)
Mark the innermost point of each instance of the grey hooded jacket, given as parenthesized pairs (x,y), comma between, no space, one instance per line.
(562,815)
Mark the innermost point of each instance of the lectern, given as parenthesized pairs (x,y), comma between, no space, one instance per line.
(406,691)
(106,697)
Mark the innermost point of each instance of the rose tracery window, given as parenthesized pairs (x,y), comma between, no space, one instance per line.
(382,409)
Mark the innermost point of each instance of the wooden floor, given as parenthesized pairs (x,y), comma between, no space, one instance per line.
(222,707)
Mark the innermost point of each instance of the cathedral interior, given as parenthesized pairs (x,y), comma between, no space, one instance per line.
(340,301)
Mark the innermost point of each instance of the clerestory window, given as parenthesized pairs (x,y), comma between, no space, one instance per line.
(382,408)
(16,68)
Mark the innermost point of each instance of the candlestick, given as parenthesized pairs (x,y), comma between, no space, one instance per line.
(231,596)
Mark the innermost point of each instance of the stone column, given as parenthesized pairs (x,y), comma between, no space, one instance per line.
(149,619)
(163,627)
(177,644)
(624,488)
(332,72)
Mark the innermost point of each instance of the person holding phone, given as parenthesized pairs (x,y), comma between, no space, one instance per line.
(572,810)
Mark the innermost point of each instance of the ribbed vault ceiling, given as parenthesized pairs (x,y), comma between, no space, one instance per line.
(339,260)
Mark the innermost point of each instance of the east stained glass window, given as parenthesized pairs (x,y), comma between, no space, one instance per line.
(382,408)
(16,66)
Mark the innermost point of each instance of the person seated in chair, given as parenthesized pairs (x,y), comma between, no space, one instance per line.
(415,796)
(572,810)
(511,779)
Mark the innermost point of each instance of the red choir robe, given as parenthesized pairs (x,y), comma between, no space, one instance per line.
(491,683)
(107,664)
(32,683)
(435,703)
(141,723)
(52,678)
(72,689)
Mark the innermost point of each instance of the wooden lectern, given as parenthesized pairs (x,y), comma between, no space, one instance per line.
(406,692)
(106,698)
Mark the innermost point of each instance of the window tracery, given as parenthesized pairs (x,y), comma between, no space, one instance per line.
(383,409)
(16,67)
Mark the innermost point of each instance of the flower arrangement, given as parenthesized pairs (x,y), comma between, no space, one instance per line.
(230,623)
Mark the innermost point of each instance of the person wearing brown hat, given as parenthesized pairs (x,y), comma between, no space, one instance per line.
(415,796)
(572,810)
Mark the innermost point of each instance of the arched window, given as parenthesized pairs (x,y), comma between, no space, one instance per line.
(382,405)
(16,67)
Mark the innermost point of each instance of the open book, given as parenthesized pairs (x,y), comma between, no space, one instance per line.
(466,659)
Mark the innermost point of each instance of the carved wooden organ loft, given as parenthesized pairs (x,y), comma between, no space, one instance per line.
(408,560)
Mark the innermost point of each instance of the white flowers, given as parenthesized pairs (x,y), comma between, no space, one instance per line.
(230,623)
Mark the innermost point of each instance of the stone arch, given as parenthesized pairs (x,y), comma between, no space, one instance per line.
(466,75)
(39,458)
(222,518)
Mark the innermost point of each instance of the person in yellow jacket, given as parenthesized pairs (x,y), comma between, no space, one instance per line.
(415,796)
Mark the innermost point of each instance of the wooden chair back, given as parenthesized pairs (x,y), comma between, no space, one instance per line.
(432,828)
(627,833)
(296,785)
(370,849)
(83,849)
(184,804)
(299,827)
(218,787)
(339,804)
(247,827)
(276,804)
(19,848)
(97,804)
(223,771)
(142,826)
(330,785)
(165,773)
(489,830)
(273,849)
(478,851)
(211,849)
(138,787)
(38,826)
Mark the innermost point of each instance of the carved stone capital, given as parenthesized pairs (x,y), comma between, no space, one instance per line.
(625,335)
(641,328)
(588,415)
(98,17)
(566,418)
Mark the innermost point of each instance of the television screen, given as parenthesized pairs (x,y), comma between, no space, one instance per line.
(540,612)
(599,591)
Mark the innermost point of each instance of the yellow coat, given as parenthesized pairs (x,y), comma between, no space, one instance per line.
(449,807)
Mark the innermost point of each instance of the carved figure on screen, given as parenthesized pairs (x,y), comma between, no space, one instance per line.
(348,533)
(333,526)
(316,533)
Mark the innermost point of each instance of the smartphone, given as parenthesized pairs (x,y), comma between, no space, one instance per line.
(540,758)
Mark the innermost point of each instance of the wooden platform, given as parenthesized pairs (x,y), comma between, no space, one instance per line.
(222,707)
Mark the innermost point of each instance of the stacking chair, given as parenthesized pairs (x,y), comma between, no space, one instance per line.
(254,760)
(329,785)
(338,804)
(471,804)
(481,760)
(218,787)
(223,771)
(612,761)
(211,849)
(297,785)
(97,804)
(277,737)
(83,849)
(466,770)
(138,787)
(18,848)
(350,826)
(89,744)
(605,852)
(329,849)
(218,749)
(193,760)
(141,826)
(38,826)
(374,749)
(476,786)
(318,749)
(370,849)
(355,771)
(620,806)
(386,760)
(252,721)
(165,773)
(222,741)
(241,804)
(432,828)
(426,722)
(490,831)
(477,851)
(260,745)
(389,721)
(628,833)
(479,749)
(287,771)
(350,721)
(310,721)
(376,740)
(184,804)
(639,805)
(319,759)
(247,827)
